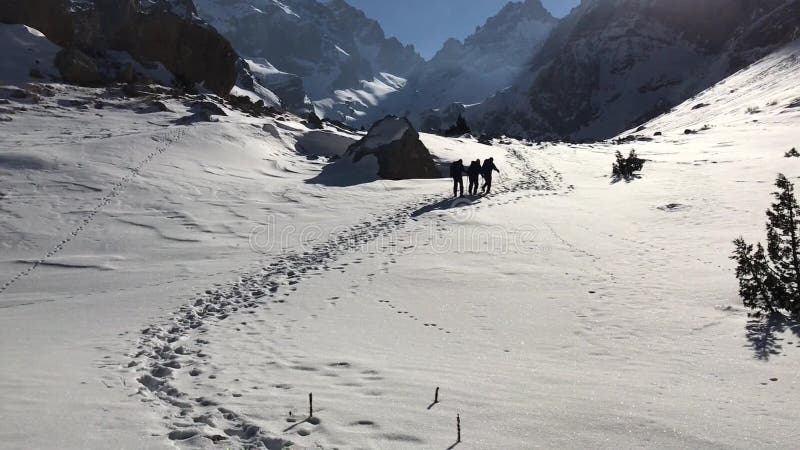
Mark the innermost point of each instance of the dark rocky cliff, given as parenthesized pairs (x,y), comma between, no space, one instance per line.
(164,31)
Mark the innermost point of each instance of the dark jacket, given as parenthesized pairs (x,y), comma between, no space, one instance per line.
(474,169)
(457,169)
(488,167)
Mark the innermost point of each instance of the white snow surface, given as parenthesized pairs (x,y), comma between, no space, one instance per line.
(25,48)
(166,286)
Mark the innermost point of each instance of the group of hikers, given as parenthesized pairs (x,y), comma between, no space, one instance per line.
(474,172)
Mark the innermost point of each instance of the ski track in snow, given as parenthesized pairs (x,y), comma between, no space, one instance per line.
(174,349)
(116,190)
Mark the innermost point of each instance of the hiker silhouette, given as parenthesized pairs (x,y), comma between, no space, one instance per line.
(486,171)
(457,173)
(474,173)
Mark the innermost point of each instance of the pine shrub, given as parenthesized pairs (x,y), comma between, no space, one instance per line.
(460,128)
(626,168)
(769,280)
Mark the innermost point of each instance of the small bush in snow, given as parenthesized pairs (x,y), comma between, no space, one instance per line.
(626,168)
(769,280)
(753,110)
(793,153)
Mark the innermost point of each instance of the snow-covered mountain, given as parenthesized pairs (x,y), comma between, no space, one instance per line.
(485,62)
(330,45)
(353,73)
(465,72)
(614,64)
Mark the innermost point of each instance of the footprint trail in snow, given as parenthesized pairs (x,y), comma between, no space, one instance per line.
(174,350)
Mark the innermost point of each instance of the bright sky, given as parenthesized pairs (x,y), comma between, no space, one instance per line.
(428,23)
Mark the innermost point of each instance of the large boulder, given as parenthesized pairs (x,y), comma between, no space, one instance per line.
(396,145)
(76,67)
(164,31)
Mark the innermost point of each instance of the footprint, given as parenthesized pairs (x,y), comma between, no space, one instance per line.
(364,423)
(182,435)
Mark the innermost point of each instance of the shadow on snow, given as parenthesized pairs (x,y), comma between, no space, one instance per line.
(448,203)
(763,334)
(344,173)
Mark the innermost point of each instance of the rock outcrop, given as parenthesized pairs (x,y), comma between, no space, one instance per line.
(164,31)
(400,153)
(76,67)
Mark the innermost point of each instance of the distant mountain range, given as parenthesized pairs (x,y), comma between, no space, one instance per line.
(350,71)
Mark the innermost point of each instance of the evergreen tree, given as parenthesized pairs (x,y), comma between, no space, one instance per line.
(770,281)
(635,163)
(757,285)
(459,129)
(618,169)
(625,168)
(461,125)
(783,241)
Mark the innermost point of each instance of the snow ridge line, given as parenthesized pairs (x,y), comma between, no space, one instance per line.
(116,190)
(165,352)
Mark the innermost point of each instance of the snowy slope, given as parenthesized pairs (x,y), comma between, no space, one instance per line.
(25,49)
(764,91)
(187,286)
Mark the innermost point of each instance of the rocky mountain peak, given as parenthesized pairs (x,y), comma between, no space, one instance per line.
(528,8)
